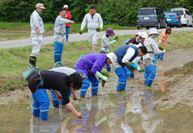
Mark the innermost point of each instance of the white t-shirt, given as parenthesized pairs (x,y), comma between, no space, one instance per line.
(67,70)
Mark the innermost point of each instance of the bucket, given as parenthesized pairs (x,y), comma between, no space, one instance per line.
(29,71)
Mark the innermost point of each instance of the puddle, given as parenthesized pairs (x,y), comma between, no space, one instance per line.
(133,112)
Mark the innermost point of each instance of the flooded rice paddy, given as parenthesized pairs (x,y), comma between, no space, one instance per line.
(126,113)
(135,111)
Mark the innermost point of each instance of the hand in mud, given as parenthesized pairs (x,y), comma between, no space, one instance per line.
(79,115)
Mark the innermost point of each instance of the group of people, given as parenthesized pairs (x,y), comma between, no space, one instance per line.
(63,82)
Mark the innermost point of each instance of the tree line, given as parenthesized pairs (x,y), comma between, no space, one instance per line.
(122,12)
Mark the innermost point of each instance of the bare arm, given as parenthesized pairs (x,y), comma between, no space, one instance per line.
(70,107)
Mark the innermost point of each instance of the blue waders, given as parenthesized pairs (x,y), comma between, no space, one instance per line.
(41,104)
(58,49)
(149,75)
(86,84)
(122,75)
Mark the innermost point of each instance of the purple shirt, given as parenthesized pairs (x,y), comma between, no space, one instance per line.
(91,63)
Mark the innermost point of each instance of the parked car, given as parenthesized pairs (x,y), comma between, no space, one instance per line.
(185,16)
(151,17)
(172,19)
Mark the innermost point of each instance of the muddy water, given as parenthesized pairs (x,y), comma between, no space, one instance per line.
(133,112)
(136,111)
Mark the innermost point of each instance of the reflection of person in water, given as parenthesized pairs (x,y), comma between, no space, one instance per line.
(92,119)
(117,116)
(149,123)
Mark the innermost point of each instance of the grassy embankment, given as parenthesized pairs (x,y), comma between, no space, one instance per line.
(15,60)
(11,31)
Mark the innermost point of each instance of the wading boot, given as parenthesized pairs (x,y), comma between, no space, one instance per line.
(32,60)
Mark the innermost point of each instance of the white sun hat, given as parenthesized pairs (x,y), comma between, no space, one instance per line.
(112,57)
(142,34)
(65,6)
(153,31)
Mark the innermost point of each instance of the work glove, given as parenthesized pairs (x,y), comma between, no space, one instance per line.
(99,75)
(114,41)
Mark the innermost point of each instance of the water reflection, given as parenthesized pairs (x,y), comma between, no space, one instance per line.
(133,112)
(149,120)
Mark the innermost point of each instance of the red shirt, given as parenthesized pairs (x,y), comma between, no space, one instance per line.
(68,16)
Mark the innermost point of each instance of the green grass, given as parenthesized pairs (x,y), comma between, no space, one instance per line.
(11,31)
(15,60)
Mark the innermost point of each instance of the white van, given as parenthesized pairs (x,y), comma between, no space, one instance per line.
(185,16)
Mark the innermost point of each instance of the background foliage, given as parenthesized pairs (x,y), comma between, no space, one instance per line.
(121,12)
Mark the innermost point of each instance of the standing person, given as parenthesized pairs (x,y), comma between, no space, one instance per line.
(91,65)
(37,30)
(59,32)
(123,56)
(107,41)
(164,37)
(39,82)
(68,16)
(94,23)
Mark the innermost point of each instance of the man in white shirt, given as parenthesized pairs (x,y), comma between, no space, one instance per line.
(37,30)
(123,58)
(94,23)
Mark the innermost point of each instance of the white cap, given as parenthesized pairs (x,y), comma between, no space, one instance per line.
(112,57)
(40,5)
(142,34)
(65,6)
(153,31)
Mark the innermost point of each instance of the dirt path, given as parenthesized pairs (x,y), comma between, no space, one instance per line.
(73,37)
(178,75)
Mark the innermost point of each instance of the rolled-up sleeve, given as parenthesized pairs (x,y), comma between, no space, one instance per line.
(130,53)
